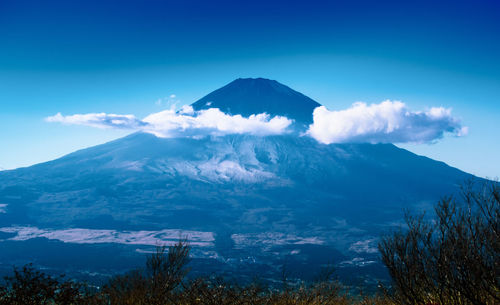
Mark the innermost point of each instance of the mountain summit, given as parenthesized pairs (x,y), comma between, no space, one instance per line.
(247,96)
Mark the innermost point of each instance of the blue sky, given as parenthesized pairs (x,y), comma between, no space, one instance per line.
(122,56)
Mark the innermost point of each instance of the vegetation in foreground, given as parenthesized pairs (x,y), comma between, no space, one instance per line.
(451,259)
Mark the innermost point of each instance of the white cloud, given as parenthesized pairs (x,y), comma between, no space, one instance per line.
(184,123)
(170,101)
(387,122)
(99,120)
(212,121)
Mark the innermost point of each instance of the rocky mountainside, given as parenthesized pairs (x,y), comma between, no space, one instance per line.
(246,203)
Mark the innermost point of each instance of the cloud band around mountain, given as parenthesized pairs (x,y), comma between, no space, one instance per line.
(184,123)
(386,122)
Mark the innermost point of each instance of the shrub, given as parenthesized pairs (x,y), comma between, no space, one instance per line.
(31,287)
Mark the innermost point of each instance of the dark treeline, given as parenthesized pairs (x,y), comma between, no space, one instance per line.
(452,258)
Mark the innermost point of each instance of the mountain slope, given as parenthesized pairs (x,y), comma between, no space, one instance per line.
(372,174)
(246,203)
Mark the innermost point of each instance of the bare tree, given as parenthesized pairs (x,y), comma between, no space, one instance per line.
(165,271)
(452,259)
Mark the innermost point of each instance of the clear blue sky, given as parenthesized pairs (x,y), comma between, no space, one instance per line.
(122,56)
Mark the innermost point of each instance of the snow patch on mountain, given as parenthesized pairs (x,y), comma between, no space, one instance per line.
(268,239)
(215,170)
(89,236)
(365,246)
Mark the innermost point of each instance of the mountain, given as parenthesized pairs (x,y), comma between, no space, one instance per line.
(248,204)
(247,96)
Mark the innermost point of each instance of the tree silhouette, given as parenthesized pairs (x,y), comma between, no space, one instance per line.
(452,259)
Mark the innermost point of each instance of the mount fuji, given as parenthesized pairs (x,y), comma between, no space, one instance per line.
(247,96)
(249,205)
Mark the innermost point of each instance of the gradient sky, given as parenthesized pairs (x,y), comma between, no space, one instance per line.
(123,56)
